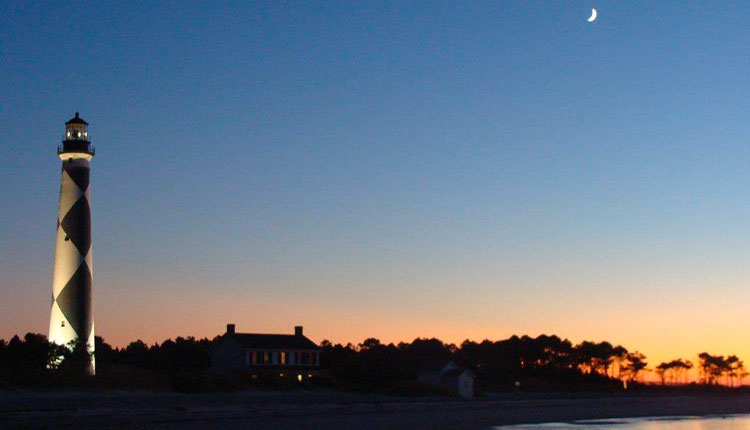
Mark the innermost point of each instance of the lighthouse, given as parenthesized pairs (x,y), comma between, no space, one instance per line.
(71,317)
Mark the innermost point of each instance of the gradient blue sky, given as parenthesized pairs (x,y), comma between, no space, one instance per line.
(459,170)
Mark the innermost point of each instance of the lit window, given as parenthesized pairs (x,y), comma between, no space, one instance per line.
(282,357)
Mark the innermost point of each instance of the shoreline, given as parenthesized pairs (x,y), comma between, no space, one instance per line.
(333,410)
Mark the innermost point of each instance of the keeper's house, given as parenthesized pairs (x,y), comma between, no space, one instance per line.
(259,355)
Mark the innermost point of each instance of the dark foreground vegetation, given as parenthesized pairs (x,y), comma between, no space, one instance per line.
(518,363)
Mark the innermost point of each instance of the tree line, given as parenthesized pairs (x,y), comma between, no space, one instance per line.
(544,362)
(32,361)
(540,363)
(715,367)
(712,370)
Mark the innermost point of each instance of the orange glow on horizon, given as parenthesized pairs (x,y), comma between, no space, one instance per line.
(353,326)
(662,330)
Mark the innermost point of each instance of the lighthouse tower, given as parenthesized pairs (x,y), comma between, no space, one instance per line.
(71,317)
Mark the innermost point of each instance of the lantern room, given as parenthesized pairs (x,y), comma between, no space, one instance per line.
(76,129)
(76,137)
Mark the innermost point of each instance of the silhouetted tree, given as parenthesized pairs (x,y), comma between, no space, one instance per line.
(369,343)
(77,360)
(596,357)
(634,363)
(136,354)
(661,371)
(27,361)
(734,369)
(712,367)
(105,354)
(675,371)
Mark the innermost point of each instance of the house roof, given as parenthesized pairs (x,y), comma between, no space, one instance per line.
(272,341)
(455,374)
(437,366)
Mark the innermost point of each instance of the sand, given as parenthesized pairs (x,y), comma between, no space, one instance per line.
(331,411)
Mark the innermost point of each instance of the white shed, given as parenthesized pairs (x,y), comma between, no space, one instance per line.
(448,375)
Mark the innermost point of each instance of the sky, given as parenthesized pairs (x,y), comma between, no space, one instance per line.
(462,170)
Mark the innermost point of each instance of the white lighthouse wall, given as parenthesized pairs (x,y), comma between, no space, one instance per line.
(91,343)
(68,258)
(60,331)
(69,191)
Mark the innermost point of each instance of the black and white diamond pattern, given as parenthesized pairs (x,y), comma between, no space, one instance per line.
(71,317)
(79,174)
(77,225)
(75,301)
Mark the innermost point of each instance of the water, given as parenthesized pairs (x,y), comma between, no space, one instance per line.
(724,422)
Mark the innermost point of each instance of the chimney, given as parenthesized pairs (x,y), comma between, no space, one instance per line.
(298,330)
(230,328)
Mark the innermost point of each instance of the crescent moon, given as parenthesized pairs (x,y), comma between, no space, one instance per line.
(593,15)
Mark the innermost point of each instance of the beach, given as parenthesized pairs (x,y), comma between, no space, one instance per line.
(332,410)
